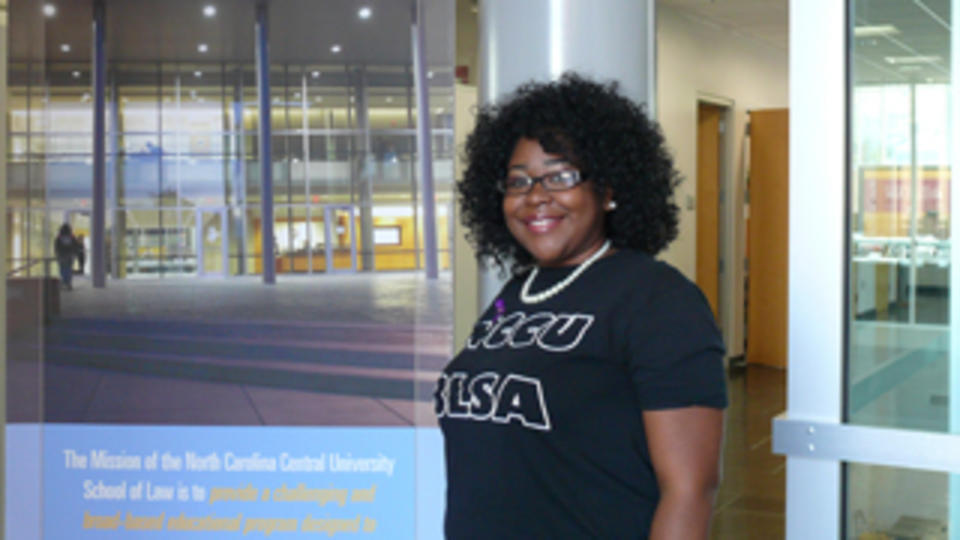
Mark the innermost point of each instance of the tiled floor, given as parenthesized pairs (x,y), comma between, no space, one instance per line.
(325,350)
(750,503)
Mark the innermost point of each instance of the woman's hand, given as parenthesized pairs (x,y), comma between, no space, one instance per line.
(685,449)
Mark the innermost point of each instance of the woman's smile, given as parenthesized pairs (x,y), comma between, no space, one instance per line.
(559,227)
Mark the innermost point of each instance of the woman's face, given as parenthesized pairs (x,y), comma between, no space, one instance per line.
(558,228)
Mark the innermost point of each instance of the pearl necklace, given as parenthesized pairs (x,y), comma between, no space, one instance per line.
(528,298)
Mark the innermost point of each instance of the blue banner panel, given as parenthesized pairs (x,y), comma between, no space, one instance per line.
(219,482)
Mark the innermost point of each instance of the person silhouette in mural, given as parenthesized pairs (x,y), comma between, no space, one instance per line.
(81,254)
(65,248)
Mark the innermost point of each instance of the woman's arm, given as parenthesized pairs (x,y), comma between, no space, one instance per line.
(685,449)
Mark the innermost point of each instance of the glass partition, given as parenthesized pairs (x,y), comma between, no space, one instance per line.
(900,245)
(899,363)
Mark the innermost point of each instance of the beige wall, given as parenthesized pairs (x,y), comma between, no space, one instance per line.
(697,60)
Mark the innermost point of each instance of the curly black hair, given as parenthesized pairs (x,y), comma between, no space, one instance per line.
(604,134)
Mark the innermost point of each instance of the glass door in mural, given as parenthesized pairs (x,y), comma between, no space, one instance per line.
(318,239)
(340,238)
(212,241)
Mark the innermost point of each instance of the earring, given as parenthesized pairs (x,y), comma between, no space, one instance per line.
(612,205)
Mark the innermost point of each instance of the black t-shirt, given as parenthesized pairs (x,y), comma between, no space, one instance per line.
(541,411)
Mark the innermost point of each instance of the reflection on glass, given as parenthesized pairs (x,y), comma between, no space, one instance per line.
(886,502)
(898,362)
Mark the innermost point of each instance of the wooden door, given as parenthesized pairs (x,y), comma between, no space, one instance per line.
(709,122)
(768,238)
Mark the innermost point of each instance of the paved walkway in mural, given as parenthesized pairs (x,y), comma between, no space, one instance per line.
(362,349)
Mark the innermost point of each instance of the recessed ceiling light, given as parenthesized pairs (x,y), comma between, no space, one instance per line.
(198,74)
(439,110)
(918,59)
(318,99)
(335,48)
(353,99)
(65,47)
(76,74)
(429,74)
(202,47)
(49,10)
(389,99)
(315,74)
(209,10)
(365,12)
(875,30)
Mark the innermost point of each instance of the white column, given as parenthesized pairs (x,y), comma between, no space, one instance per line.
(818,64)
(539,40)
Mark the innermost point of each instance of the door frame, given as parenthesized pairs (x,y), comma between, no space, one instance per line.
(225,245)
(729,231)
(812,433)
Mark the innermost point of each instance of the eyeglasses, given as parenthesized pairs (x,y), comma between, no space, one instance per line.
(558,181)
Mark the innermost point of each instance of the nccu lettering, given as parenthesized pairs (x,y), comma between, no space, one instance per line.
(487,397)
(548,331)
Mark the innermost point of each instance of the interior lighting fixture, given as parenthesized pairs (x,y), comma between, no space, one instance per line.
(918,59)
(65,47)
(296,95)
(315,74)
(209,10)
(429,74)
(335,48)
(198,74)
(389,99)
(76,74)
(49,10)
(364,12)
(875,30)
(318,99)
(202,47)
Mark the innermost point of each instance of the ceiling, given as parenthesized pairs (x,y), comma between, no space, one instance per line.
(764,21)
(922,30)
(301,31)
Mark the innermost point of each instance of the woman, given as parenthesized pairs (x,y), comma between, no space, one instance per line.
(588,401)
